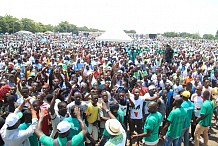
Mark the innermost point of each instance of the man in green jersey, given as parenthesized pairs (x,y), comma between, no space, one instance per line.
(151,127)
(204,120)
(189,107)
(174,124)
(63,129)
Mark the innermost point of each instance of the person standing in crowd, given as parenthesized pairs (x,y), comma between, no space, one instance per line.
(174,124)
(136,112)
(189,107)
(63,129)
(57,117)
(204,121)
(197,99)
(92,115)
(114,133)
(168,54)
(11,134)
(151,127)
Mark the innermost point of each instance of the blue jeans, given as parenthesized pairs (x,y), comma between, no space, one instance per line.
(175,141)
(185,136)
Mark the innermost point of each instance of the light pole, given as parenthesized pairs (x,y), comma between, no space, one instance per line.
(13,25)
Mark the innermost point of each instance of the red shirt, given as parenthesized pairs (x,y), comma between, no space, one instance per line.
(96,73)
(141,93)
(46,122)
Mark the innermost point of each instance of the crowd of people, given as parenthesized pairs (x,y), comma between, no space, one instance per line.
(64,90)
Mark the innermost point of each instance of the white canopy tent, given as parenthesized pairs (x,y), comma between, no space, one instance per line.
(114,36)
(49,32)
(24,32)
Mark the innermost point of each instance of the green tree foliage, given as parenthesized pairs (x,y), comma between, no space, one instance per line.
(28,25)
(208,36)
(11,24)
(183,34)
(170,34)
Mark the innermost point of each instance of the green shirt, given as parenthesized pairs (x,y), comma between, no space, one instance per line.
(76,128)
(189,107)
(48,141)
(177,119)
(207,109)
(120,118)
(153,122)
(121,115)
(33,139)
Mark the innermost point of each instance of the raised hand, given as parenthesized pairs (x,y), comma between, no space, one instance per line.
(77,112)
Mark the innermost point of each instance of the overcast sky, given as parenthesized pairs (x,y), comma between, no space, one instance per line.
(144,16)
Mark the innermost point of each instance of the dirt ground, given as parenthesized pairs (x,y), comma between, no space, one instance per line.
(213,138)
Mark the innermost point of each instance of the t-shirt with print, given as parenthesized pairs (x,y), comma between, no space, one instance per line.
(153,122)
(207,110)
(189,107)
(136,111)
(48,141)
(177,119)
(119,140)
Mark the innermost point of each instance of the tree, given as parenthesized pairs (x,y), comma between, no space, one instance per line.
(9,24)
(208,36)
(170,34)
(185,35)
(28,25)
(195,36)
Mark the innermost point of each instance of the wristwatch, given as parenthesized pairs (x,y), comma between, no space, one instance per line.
(107,110)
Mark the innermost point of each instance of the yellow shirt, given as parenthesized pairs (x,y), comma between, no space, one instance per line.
(93,110)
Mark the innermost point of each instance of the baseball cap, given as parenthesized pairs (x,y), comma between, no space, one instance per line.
(13,118)
(63,126)
(186,94)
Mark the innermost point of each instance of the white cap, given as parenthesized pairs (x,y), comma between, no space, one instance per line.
(63,127)
(151,87)
(13,118)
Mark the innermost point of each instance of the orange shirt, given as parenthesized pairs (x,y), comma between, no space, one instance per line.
(187,80)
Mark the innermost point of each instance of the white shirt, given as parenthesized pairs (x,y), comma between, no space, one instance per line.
(198,101)
(17,137)
(136,111)
(83,106)
(21,99)
(176,90)
(147,95)
(55,120)
(154,77)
